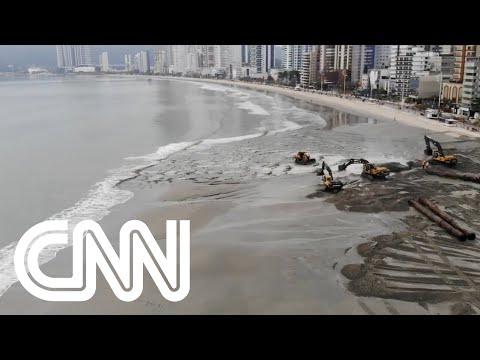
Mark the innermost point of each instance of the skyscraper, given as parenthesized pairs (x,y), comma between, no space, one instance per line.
(70,56)
(103,61)
(382,56)
(128,62)
(292,56)
(363,59)
(262,59)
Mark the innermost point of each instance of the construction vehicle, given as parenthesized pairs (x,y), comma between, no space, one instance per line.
(438,157)
(369,170)
(303,158)
(328,182)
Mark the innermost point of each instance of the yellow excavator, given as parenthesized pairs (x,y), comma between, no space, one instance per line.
(303,158)
(328,182)
(438,157)
(369,170)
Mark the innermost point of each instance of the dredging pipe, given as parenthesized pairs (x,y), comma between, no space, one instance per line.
(453,174)
(424,201)
(444,224)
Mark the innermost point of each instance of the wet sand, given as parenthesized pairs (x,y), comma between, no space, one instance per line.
(353,106)
(266,238)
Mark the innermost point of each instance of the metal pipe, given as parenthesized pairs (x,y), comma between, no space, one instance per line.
(454,175)
(424,201)
(445,225)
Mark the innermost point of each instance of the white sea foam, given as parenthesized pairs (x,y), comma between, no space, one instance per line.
(252,108)
(104,195)
(164,151)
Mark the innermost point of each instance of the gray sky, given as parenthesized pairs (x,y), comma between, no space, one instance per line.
(45,55)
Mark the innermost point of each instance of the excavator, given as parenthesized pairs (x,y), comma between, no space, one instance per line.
(328,182)
(438,157)
(369,170)
(303,158)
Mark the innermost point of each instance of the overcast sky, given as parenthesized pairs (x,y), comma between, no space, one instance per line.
(46,55)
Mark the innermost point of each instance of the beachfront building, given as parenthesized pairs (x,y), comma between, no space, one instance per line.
(143,62)
(128,62)
(310,66)
(343,57)
(262,60)
(292,56)
(363,59)
(326,58)
(103,61)
(379,79)
(400,69)
(471,80)
(453,90)
(161,62)
(71,56)
(382,56)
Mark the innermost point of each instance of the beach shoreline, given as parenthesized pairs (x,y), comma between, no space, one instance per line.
(353,106)
(266,238)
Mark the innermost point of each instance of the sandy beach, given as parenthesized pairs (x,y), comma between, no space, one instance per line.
(266,238)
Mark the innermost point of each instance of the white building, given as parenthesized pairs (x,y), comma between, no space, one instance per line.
(343,57)
(382,56)
(424,62)
(292,56)
(70,56)
(379,79)
(84,69)
(128,62)
(143,62)
(103,60)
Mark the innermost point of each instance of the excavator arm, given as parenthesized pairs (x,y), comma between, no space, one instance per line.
(325,167)
(428,149)
(343,166)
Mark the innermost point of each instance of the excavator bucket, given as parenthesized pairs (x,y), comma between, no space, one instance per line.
(342,167)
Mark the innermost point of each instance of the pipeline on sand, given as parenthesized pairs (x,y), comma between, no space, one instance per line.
(444,224)
(424,201)
(453,174)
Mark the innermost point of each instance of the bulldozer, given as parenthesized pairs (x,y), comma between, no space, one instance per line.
(370,171)
(438,156)
(303,158)
(330,184)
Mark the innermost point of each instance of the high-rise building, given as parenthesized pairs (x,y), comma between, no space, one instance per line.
(142,62)
(382,56)
(245,54)
(161,62)
(453,89)
(363,59)
(471,80)
(310,68)
(128,62)
(326,58)
(262,59)
(461,53)
(70,56)
(343,57)
(103,61)
(292,56)
(400,68)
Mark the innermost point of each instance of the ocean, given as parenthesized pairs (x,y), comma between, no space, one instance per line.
(67,143)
